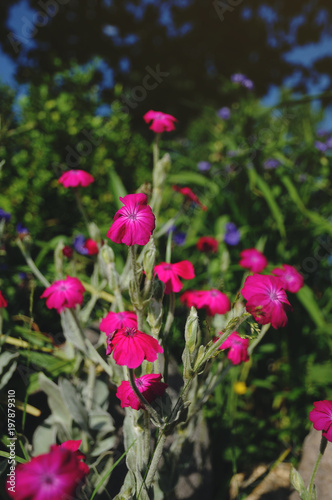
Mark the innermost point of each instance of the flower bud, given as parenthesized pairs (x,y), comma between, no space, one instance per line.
(191,330)
(149,259)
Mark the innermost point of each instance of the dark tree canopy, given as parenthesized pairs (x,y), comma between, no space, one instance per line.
(174,52)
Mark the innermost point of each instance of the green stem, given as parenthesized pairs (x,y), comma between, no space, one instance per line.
(146,439)
(155,148)
(322,448)
(136,299)
(142,399)
(155,459)
(82,209)
(32,265)
(259,338)
(215,345)
(167,329)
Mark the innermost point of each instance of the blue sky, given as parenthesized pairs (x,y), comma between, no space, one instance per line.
(306,55)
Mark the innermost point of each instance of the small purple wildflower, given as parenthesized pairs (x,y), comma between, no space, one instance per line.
(21,230)
(321,146)
(4,215)
(224,113)
(271,163)
(79,243)
(232,235)
(203,166)
(179,237)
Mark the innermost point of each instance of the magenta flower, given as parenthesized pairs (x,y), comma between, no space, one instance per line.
(266,299)
(73,445)
(321,417)
(238,348)
(292,280)
(116,321)
(148,385)
(161,122)
(3,301)
(207,244)
(169,274)
(75,178)
(132,224)
(52,476)
(190,196)
(253,259)
(131,347)
(213,301)
(91,246)
(64,294)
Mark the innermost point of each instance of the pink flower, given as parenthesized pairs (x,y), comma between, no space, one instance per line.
(3,301)
(253,259)
(116,321)
(238,348)
(169,274)
(52,476)
(292,280)
(73,445)
(91,246)
(321,417)
(189,195)
(131,347)
(207,244)
(213,301)
(74,178)
(132,224)
(161,122)
(64,294)
(267,300)
(148,385)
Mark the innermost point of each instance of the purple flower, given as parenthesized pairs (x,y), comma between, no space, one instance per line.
(322,133)
(242,80)
(203,166)
(238,78)
(4,215)
(248,84)
(321,146)
(232,235)
(329,143)
(224,113)
(271,163)
(179,238)
(79,245)
(21,230)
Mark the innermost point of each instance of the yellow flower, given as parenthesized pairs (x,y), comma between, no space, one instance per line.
(240,388)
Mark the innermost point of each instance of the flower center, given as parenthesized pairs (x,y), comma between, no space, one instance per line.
(132,216)
(273,295)
(48,479)
(130,332)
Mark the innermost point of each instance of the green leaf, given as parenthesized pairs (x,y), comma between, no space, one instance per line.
(73,404)
(257,180)
(307,298)
(117,188)
(19,460)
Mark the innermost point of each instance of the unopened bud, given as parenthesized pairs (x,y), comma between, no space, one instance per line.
(149,259)
(106,254)
(191,330)
(94,231)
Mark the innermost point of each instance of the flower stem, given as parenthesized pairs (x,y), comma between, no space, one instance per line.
(322,447)
(32,265)
(142,399)
(259,338)
(155,148)
(167,329)
(155,459)
(136,299)
(82,209)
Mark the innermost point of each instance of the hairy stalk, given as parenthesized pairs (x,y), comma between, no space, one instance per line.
(155,459)
(167,329)
(259,338)
(137,298)
(322,448)
(82,209)
(146,438)
(32,265)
